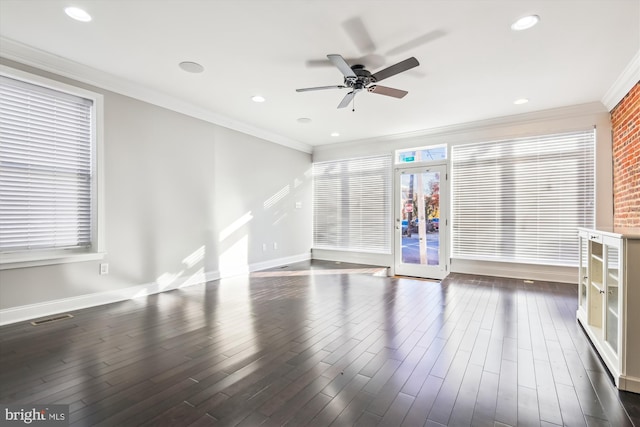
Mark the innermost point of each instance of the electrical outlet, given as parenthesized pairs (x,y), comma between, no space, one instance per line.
(104,268)
(298,205)
(275,245)
(264,247)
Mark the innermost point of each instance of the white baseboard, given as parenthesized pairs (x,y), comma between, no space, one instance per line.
(516,271)
(48,308)
(382,260)
(629,383)
(279,262)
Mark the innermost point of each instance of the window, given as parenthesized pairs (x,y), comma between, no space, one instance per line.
(48,171)
(422,154)
(521,200)
(352,204)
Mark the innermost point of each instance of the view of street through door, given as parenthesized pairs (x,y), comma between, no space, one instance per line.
(419,236)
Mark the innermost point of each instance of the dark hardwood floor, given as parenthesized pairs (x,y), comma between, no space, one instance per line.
(321,344)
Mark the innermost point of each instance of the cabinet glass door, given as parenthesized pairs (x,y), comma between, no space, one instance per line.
(612,282)
(584,276)
(596,287)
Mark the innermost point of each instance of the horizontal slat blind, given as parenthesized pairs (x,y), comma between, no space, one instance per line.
(45,168)
(521,200)
(352,204)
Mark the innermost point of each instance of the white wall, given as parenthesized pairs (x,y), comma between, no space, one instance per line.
(544,122)
(186,200)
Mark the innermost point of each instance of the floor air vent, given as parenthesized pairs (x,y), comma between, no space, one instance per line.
(51,319)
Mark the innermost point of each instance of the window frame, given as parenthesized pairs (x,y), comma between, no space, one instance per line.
(400,161)
(39,257)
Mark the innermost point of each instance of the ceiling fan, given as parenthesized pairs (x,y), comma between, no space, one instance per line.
(357,78)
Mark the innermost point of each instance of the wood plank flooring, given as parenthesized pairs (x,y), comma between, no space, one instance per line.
(321,344)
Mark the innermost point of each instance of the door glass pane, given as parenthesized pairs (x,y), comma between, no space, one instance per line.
(420,207)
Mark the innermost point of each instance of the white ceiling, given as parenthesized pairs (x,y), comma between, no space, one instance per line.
(472,65)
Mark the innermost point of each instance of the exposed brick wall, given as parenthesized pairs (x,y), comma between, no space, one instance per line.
(625,120)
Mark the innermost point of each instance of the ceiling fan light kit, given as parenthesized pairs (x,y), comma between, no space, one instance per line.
(358,79)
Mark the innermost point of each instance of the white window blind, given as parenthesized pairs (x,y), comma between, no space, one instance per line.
(352,204)
(45,168)
(521,200)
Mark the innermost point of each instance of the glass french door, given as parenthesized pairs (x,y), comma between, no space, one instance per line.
(420,223)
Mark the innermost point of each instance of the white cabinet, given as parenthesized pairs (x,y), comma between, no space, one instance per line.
(609,300)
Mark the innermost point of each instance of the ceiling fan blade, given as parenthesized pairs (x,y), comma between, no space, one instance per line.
(401,66)
(359,35)
(342,65)
(369,61)
(318,63)
(417,42)
(347,99)
(308,89)
(389,91)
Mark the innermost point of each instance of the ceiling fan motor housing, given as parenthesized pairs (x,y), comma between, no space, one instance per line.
(362,79)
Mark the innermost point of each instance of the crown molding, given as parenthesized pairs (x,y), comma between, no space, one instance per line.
(542,116)
(629,77)
(46,61)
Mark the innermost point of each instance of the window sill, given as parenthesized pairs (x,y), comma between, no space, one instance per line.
(11,261)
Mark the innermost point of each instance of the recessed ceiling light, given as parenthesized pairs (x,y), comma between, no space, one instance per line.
(521,101)
(525,22)
(77,14)
(334,134)
(304,120)
(258,98)
(191,67)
